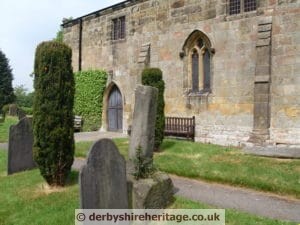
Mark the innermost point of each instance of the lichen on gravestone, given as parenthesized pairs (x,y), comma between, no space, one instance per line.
(143,124)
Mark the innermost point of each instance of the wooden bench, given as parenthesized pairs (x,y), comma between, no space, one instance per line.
(78,123)
(180,127)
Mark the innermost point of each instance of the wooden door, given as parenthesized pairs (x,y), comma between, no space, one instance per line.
(115,110)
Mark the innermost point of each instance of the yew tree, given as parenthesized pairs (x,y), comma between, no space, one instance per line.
(53,111)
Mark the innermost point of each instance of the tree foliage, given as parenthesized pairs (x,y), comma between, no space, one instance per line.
(6,90)
(53,111)
(153,77)
(90,86)
(59,36)
(23,97)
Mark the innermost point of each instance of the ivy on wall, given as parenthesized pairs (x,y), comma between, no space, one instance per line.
(89,89)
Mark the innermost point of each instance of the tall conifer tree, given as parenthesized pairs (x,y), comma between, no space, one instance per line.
(53,111)
(6,90)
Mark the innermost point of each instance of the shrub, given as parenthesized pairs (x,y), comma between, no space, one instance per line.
(53,111)
(23,98)
(4,111)
(90,86)
(153,77)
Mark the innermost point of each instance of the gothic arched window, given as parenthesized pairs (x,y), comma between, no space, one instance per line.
(198,64)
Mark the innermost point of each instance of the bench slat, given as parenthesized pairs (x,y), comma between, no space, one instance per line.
(180,126)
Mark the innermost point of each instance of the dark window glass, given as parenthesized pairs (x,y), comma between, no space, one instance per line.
(115,29)
(249,5)
(234,7)
(195,71)
(200,43)
(119,29)
(239,6)
(122,27)
(206,64)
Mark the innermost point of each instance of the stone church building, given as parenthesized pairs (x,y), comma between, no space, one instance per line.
(233,64)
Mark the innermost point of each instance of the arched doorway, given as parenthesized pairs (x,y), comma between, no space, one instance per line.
(115,110)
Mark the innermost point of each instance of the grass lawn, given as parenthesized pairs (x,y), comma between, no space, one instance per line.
(220,164)
(25,199)
(83,147)
(230,166)
(233,217)
(4,128)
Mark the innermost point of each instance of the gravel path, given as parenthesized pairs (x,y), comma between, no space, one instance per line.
(86,136)
(94,136)
(253,202)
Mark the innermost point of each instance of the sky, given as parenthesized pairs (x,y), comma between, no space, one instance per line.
(26,23)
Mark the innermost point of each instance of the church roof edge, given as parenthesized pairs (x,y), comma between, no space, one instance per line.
(117,6)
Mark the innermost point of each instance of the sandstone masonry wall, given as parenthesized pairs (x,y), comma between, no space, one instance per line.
(226,115)
(285,113)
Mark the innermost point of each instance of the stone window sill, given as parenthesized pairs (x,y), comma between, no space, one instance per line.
(241,15)
(201,93)
(119,41)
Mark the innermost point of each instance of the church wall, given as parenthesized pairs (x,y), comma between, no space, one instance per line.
(225,116)
(285,101)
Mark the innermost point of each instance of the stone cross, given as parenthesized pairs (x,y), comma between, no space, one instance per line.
(20,145)
(143,124)
(102,180)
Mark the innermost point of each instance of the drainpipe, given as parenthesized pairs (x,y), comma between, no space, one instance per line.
(80,45)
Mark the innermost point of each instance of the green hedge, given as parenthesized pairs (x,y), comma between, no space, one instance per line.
(90,86)
(153,77)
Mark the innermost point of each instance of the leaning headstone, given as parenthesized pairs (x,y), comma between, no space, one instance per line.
(156,191)
(143,124)
(20,156)
(102,180)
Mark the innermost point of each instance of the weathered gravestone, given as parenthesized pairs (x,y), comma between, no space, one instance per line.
(155,192)
(13,110)
(20,156)
(21,113)
(143,124)
(102,180)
